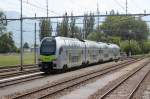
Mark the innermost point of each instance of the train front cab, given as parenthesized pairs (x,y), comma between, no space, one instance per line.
(47,55)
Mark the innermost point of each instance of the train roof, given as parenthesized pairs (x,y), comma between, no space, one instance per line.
(113,45)
(87,42)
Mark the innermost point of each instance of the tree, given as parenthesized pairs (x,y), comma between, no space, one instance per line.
(88,24)
(146,47)
(45,28)
(72,26)
(114,39)
(58,29)
(26,45)
(127,27)
(99,37)
(132,46)
(6,43)
(2,25)
(64,28)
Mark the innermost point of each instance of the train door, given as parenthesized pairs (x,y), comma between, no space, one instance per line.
(85,53)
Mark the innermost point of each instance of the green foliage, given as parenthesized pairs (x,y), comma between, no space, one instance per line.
(64,27)
(45,28)
(2,25)
(77,33)
(26,45)
(99,37)
(126,27)
(130,46)
(114,39)
(122,29)
(67,29)
(146,47)
(7,43)
(58,29)
(72,26)
(88,24)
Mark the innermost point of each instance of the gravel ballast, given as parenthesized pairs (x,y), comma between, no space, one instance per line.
(86,91)
(49,79)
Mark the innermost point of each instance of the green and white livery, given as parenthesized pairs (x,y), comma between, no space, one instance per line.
(61,53)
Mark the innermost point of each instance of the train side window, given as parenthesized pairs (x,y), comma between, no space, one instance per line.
(60,51)
(99,50)
(82,52)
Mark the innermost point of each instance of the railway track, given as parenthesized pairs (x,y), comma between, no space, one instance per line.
(19,79)
(12,71)
(119,83)
(18,73)
(4,69)
(137,86)
(61,85)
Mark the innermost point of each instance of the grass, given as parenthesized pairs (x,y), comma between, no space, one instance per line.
(140,56)
(14,59)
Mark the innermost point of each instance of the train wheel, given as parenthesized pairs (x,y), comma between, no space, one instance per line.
(83,64)
(116,60)
(87,63)
(65,68)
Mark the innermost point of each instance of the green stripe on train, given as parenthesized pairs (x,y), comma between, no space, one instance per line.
(50,58)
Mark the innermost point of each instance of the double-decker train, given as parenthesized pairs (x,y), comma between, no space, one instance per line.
(62,53)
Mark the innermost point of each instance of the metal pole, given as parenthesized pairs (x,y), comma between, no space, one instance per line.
(21,39)
(129,47)
(47,7)
(126,7)
(35,51)
(98,17)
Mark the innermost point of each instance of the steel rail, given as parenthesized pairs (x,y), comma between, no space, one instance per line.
(137,86)
(101,72)
(121,81)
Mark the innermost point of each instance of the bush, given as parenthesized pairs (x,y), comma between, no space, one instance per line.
(7,43)
(95,36)
(115,39)
(146,47)
(132,46)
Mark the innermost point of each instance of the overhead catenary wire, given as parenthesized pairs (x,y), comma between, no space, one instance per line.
(39,7)
(118,3)
(78,16)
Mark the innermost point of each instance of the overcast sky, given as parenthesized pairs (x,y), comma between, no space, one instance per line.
(58,7)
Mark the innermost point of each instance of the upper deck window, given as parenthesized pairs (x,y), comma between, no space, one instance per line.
(48,47)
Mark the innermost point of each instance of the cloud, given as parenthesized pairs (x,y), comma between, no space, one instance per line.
(58,7)
(78,7)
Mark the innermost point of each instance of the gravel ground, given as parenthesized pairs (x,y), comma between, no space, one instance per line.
(139,94)
(145,94)
(49,79)
(86,91)
(126,88)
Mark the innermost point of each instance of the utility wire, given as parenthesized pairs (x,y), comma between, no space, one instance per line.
(39,7)
(121,6)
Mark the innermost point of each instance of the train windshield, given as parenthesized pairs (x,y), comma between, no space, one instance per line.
(48,47)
